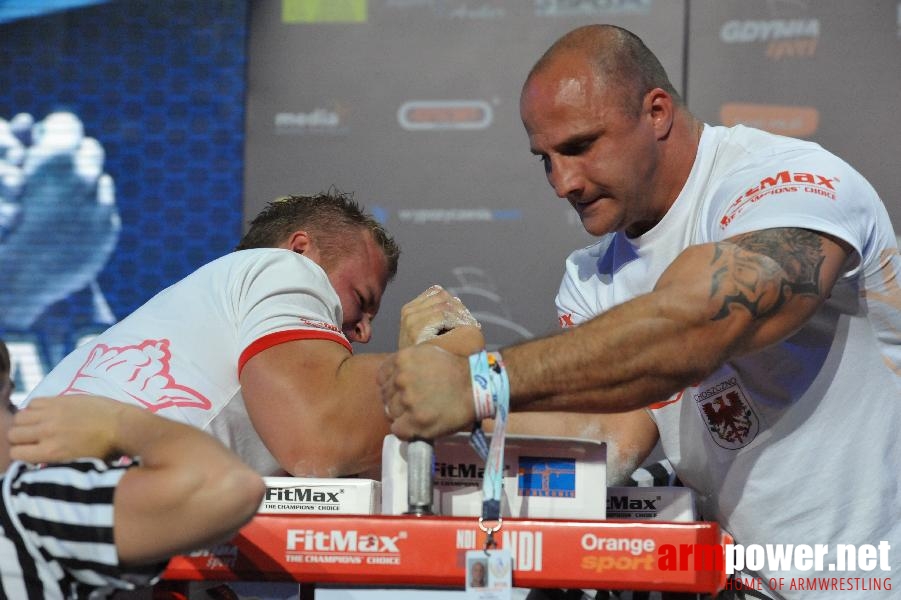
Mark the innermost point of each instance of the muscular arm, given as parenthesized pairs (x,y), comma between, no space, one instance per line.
(317,407)
(188,483)
(188,492)
(714,302)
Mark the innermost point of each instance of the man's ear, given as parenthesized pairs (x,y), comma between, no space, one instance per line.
(659,105)
(301,242)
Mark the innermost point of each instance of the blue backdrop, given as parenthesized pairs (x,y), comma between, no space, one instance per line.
(89,231)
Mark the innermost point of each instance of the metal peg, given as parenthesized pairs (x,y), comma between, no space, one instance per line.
(420,461)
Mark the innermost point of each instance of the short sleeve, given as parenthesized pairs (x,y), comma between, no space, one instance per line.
(811,189)
(63,514)
(284,296)
(573,301)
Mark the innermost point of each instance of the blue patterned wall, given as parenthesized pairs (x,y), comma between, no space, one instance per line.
(160,84)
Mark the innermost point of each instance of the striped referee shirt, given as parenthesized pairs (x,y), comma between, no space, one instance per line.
(56,533)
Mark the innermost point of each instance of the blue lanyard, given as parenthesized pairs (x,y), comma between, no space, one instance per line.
(490,377)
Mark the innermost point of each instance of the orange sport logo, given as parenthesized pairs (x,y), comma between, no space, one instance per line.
(794,121)
(434,115)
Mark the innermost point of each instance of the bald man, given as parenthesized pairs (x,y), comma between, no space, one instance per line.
(741,306)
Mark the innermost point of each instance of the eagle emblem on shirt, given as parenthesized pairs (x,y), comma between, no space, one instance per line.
(729,416)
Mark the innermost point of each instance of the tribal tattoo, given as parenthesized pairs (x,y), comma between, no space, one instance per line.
(762,270)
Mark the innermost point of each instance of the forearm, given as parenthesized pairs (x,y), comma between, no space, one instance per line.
(629,357)
(198,466)
(361,409)
(188,483)
(714,302)
(165,444)
(353,426)
(319,409)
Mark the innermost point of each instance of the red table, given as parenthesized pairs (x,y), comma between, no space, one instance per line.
(430,551)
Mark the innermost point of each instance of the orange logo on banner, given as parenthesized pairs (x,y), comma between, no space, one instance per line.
(444,114)
(794,121)
(401,550)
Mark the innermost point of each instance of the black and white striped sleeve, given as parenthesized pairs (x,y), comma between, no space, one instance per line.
(57,525)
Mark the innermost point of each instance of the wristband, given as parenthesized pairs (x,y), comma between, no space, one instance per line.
(482,394)
(499,383)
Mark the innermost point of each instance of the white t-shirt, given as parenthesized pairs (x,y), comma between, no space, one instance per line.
(798,443)
(180,354)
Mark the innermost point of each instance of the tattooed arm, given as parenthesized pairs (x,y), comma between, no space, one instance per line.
(714,302)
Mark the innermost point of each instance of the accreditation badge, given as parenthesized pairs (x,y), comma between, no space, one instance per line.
(489,574)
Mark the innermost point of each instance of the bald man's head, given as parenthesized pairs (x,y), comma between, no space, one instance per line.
(618,56)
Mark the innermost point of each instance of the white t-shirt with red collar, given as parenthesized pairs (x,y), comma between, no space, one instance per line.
(180,354)
(789,445)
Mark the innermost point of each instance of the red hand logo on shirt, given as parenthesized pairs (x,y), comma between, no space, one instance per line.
(140,371)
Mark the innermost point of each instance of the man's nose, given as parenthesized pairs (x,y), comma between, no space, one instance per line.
(566,179)
(362,331)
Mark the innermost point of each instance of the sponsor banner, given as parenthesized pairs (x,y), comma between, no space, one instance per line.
(591,8)
(668,503)
(433,115)
(544,478)
(475,10)
(383,550)
(407,4)
(319,120)
(780,38)
(324,11)
(307,495)
(426,216)
(793,121)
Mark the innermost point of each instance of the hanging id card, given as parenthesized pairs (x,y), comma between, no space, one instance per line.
(489,574)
